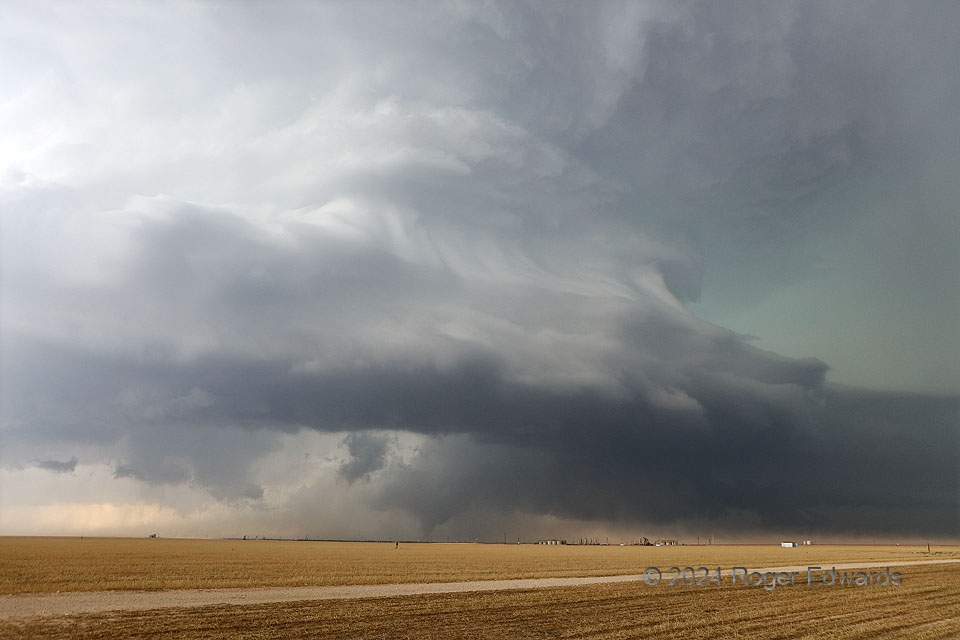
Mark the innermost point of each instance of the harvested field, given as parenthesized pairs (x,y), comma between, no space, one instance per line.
(83,602)
(45,565)
(926,605)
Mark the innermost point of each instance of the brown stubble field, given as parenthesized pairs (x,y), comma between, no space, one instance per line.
(45,565)
(925,606)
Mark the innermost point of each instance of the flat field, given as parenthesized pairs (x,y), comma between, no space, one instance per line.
(44,565)
(925,606)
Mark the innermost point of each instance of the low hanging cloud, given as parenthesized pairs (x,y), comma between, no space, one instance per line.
(469,254)
(68,466)
(368,453)
(550,393)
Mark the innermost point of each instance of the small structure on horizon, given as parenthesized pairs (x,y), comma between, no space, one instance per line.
(552,541)
(787,545)
(807,543)
(666,543)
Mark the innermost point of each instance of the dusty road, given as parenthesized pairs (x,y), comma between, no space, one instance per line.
(59,604)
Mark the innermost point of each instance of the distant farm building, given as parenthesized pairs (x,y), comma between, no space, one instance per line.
(807,543)
(787,545)
(665,543)
(552,541)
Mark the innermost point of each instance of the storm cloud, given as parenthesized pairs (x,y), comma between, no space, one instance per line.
(57,466)
(370,271)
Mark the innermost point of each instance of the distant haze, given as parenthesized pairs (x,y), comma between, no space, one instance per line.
(423,271)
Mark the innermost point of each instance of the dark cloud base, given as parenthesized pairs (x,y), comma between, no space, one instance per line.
(808,456)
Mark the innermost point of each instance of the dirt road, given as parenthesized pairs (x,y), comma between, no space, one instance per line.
(60,604)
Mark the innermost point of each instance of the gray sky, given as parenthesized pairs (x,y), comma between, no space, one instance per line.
(411,270)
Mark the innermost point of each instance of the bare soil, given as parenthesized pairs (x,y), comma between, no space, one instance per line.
(926,606)
(74,603)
